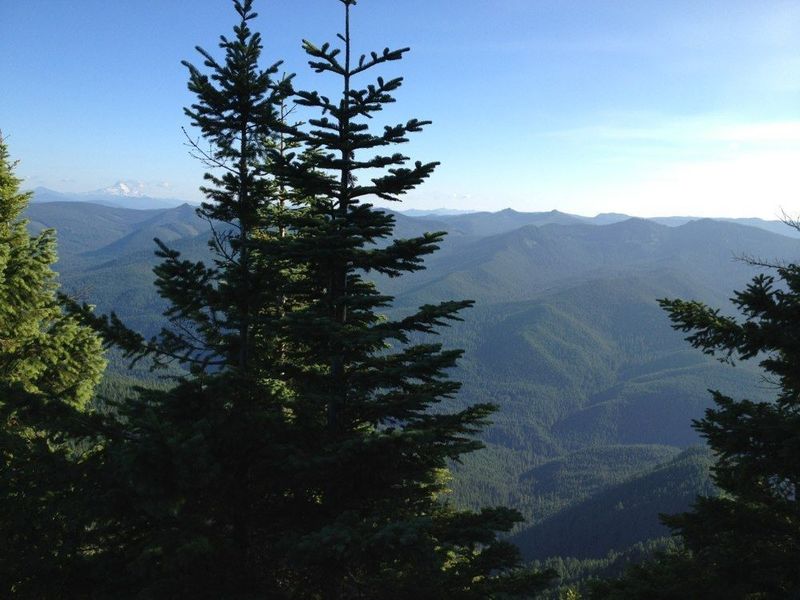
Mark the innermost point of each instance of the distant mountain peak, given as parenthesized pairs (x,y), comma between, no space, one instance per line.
(614,215)
(425,212)
(128,189)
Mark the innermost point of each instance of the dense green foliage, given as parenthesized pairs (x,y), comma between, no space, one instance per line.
(49,366)
(41,350)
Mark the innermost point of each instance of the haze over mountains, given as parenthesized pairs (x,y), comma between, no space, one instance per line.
(130,194)
(123,194)
(596,392)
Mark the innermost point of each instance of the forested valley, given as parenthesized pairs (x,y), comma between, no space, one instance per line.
(293,393)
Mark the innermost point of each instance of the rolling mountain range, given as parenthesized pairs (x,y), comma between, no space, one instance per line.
(595,391)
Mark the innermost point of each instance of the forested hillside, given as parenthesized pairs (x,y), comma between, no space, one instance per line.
(596,391)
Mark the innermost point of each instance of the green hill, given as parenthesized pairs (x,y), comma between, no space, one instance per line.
(567,339)
(623,514)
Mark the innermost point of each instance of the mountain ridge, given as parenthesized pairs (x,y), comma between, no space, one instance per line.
(566,338)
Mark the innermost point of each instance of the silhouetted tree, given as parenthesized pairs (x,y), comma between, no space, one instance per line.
(305,455)
(375,438)
(200,499)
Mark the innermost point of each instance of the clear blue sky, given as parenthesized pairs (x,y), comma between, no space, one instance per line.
(644,107)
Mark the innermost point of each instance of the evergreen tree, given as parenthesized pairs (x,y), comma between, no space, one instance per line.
(198,504)
(41,349)
(745,543)
(374,440)
(302,457)
(49,366)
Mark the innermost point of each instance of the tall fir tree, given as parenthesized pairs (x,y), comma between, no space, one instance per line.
(49,366)
(374,438)
(302,457)
(200,494)
(744,543)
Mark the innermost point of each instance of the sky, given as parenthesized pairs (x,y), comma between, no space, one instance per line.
(643,107)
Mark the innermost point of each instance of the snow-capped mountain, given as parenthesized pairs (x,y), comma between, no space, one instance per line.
(128,189)
(123,194)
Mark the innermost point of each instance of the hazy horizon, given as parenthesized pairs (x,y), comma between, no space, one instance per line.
(93,195)
(643,108)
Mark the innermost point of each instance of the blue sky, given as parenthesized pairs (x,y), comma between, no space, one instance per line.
(643,107)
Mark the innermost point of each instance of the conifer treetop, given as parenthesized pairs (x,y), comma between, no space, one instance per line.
(12,200)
